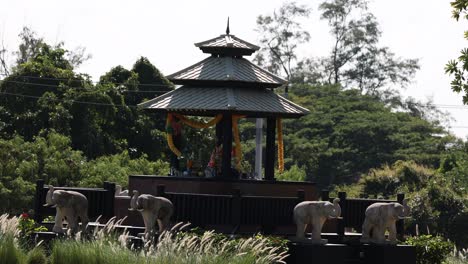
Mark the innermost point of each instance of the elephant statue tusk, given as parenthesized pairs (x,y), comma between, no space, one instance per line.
(53,206)
(45,205)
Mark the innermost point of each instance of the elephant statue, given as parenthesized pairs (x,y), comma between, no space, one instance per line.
(70,206)
(381,217)
(315,213)
(152,209)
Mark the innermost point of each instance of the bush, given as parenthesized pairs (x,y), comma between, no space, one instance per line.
(9,251)
(295,173)
(430,249)
(116,168)
(36,256)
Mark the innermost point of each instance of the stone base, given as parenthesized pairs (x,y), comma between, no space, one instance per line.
(388,254)
(320,254)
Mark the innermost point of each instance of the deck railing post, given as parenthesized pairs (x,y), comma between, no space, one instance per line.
(300,195)
(108,210)
(38,199)
(400,225)
(341,222)
(161,190)
(325,195)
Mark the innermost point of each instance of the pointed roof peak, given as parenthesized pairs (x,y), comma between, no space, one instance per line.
(227,44)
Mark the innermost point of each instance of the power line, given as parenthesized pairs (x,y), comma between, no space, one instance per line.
(116,105)
(94,82)
(72,101)
(77,88)
(444,106)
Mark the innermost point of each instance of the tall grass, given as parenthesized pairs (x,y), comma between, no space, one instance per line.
(171,248)
(10,253)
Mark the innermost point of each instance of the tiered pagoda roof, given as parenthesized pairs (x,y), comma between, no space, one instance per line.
(226,82)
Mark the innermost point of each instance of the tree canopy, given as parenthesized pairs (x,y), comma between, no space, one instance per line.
(458,68)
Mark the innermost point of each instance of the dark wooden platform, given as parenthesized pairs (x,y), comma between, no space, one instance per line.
(148,184)
(306,253)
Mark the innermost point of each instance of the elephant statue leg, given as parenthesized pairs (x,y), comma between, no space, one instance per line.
(322,221)
(58,225)
(150,221)
(163,223)
(378,233)
(145,216)
(392,233)
(84,222)
(317,224)
(300,232)
(73,224)
(366,230)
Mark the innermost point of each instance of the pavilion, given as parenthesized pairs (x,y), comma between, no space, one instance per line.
(227,84)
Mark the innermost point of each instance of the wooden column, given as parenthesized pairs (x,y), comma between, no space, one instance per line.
(227,145)
(270,150)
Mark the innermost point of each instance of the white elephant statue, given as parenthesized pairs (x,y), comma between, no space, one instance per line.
(152,209)
(381,217)
(315,213)
(70,206)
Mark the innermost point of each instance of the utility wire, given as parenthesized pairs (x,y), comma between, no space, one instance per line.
(61,100)
(77,88)
(444,106)
(94,82)
(123,106)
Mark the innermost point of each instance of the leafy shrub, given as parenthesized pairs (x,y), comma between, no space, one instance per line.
(430,249)
(9,251)
(295,173)
(36,256)
(116,168)
(27,226)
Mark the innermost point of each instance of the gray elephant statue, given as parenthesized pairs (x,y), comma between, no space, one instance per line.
(70,206)
(381,217)
(153,209)
(315,213)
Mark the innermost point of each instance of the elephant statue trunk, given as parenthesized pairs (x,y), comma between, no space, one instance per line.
(336,213)
(406,211)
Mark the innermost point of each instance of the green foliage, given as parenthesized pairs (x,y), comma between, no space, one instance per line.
(436,205)
(52,158)
(280,34)
(458,67)
(27,226)
(36,256)
(116,168)
(356,60)
(348,133)
(430,249)
(10,253)
(22,163)
(292,174)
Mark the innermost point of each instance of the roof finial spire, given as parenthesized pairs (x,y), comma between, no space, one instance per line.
(227,29)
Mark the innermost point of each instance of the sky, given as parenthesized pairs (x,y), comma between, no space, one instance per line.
(119,32)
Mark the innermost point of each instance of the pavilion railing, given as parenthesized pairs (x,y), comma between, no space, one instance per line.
(234,209)
(100,200)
